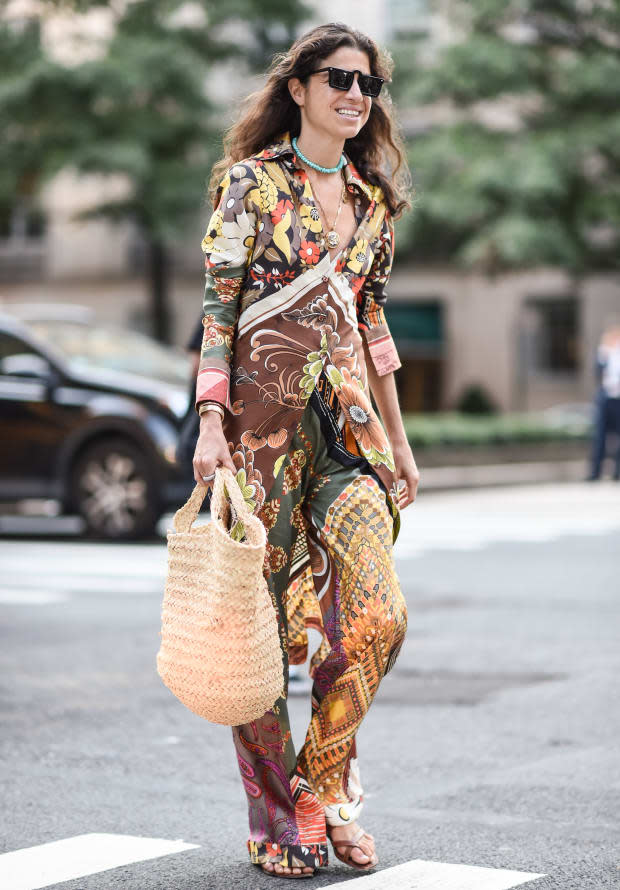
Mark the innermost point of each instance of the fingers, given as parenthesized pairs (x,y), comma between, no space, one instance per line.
(207,468)
(408,490)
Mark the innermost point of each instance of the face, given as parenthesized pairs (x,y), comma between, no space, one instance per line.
(342,114)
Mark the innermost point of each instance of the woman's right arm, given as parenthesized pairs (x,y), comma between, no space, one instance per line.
(228,246)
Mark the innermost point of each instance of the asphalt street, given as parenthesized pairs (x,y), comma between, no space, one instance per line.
(492,745)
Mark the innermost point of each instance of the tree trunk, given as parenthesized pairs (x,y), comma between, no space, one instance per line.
(159,291)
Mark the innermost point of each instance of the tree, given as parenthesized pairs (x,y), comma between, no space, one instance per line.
(33,146)
(140,109)
(540,183)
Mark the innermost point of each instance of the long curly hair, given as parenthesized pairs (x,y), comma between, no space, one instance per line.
(377,151)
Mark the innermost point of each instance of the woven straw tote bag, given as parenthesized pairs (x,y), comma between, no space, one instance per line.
(220,649)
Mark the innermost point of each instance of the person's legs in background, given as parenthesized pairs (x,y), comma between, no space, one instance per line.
(599,436)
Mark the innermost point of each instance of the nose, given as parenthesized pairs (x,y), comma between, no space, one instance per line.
(354,91)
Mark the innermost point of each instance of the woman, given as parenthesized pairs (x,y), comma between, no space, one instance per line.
(298,252)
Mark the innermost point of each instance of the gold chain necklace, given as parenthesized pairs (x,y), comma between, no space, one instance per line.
(332,237)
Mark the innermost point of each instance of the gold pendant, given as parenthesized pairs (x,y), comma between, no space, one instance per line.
(333,239)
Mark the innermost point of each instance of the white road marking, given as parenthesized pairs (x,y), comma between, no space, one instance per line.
(76,857)
(422,875)
(23,597)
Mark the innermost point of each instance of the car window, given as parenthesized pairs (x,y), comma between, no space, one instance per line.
(91,347)
(18,358)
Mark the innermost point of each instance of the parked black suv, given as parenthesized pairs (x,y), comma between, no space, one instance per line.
(89,416)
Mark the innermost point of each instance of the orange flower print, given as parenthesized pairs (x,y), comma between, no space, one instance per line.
(309,252)
(277,438)
(226,289)
(216,334)
(277,214)
(356,284)
(252,441)
(364,425)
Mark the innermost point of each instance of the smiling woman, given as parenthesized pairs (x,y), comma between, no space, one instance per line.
(298,253)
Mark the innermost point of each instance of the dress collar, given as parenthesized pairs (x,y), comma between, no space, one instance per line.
(282,148)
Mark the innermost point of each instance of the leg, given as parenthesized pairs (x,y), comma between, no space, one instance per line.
(614,425)
(364,617)
(287,824)
(599,436)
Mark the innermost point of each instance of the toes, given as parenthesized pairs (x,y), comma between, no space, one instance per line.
(268,867)
(360,856)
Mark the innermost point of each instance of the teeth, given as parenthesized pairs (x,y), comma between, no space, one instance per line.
(348,111)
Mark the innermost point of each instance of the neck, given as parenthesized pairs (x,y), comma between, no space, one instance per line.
(320,148)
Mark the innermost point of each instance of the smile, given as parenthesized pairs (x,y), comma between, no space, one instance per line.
(349,112)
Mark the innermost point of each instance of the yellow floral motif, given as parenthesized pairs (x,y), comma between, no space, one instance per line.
(246,490)
(311,218)
(214,231)
(267,190)
(357,258)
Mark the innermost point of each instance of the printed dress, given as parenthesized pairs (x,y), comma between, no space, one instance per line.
(283,350)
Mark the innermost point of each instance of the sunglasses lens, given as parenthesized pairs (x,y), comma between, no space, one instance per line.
(370,85)
(340,79)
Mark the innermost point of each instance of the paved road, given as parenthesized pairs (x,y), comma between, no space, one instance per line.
(493,745)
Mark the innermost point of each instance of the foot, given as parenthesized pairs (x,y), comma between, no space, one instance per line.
(360,848)
(276,868)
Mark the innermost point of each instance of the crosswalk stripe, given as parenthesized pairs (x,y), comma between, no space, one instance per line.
(75,857)
(420,874)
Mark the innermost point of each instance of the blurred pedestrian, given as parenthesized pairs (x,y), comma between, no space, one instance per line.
(298,253)
(607,400)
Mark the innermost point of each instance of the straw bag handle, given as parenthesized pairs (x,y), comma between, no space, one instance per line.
(185,517)
(235,495)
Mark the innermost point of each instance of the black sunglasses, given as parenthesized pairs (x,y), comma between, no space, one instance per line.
(340,79)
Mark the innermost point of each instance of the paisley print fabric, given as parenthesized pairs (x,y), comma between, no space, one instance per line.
(285,331)
(339,557)
(279,312)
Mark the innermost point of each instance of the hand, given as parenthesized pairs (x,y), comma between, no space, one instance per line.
(211,449)
(407,472)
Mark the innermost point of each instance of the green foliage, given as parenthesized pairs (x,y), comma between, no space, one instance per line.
(542,189)
(457,429)
(476,399)
(141,109)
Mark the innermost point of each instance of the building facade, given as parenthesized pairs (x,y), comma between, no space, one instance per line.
(528,339)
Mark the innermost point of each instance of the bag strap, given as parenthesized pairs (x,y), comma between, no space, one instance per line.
(225,486)
(186,515)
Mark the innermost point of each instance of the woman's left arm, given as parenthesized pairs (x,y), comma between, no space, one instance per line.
(382,359)
(384,391)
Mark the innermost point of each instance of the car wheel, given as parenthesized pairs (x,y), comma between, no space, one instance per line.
(114,490)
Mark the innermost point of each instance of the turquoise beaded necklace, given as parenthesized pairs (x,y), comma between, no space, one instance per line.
(314,166)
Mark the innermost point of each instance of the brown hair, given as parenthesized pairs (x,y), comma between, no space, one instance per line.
(377,151)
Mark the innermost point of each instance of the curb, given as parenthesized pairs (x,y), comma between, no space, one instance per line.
(488,475)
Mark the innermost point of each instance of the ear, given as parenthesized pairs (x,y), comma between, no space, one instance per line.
(297,91)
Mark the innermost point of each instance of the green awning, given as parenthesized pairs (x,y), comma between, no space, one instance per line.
(413,323)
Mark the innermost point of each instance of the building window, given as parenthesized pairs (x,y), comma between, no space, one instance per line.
(551,333)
